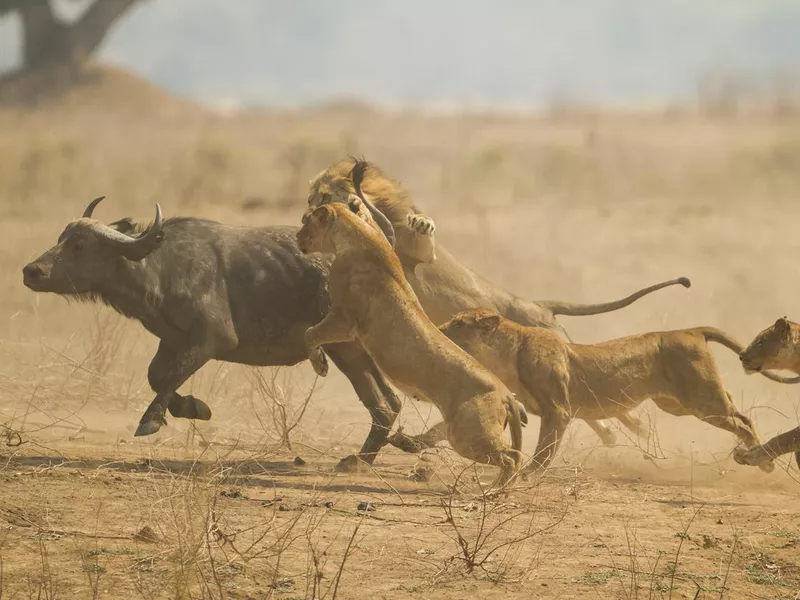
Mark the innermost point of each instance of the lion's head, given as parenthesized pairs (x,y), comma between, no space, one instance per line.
(773,348)
(316,233)
(471,327)
(344,180)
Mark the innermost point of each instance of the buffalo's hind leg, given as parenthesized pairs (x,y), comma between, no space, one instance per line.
(169,369)
(375,394)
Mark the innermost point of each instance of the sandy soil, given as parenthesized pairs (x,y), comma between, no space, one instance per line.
(248,524)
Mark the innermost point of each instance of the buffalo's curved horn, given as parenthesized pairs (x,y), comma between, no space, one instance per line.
(357,174)
(133,248)
(92,205)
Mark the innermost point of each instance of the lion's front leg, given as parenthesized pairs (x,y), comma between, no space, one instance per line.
(333,329)
(417,240)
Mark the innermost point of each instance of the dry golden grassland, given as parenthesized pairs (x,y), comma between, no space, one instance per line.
(582,207)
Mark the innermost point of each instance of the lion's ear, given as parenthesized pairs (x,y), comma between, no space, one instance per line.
(489,322)
(782,326)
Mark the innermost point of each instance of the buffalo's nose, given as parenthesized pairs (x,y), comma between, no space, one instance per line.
(32,273)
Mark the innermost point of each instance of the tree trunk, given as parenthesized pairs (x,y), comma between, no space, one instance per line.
(53,51)
(48,42)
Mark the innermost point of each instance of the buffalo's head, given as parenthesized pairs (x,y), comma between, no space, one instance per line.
(331,186)
(773,348)
(88,253)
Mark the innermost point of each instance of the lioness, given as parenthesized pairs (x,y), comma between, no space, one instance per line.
(372,303)
(560,380)
(443,285)
(777,347)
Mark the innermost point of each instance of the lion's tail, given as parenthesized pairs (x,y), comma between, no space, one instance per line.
(712,334)
(572,309)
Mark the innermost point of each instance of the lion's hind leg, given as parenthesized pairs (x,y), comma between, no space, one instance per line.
(784,443)
(603,431)
(633,424)
(713,405)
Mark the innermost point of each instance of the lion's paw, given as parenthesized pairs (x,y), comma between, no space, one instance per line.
(755,457)
(421,224)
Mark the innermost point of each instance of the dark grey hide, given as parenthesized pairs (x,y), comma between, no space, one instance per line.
(208,291)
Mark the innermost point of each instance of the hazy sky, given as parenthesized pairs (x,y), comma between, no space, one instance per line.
(498,52)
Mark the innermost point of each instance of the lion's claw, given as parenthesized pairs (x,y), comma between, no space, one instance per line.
(421,224)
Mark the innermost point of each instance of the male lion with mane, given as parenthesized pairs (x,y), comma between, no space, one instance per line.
(442,284)
(777,347)
(372,303)
(561,380)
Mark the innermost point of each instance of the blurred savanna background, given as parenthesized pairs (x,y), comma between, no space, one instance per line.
(566,150)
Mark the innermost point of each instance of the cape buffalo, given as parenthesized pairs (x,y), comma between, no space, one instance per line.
(208,291)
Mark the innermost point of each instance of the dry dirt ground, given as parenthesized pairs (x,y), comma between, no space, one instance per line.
(580,206)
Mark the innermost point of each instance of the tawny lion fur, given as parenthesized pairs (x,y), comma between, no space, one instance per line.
(372,302)
(414,242)
(560,380)
(443,285)
(777,347)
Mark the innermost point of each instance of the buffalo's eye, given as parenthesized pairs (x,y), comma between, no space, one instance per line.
(78,244)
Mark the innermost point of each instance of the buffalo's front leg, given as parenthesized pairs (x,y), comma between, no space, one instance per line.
(169,369)
(374,392)
(333,329)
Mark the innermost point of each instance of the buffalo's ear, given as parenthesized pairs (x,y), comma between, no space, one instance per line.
(125,225)
(489,322)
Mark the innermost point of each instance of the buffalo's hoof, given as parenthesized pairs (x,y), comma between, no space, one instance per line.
(350,464)
(767,467)
(320,362)
(189,407)
(148,427)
